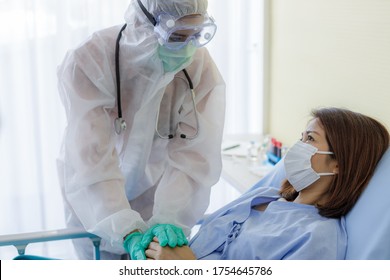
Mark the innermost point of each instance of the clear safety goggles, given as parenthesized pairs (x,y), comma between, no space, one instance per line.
(175,34)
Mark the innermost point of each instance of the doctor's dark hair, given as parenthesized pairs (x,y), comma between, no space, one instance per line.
(358,143)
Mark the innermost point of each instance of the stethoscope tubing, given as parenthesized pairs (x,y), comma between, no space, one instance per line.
(120,123)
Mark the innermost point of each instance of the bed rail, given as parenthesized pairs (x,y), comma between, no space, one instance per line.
(21,240)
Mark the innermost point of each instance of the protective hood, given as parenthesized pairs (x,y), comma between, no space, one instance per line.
(175,8)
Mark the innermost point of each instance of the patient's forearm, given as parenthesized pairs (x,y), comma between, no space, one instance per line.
(156,252)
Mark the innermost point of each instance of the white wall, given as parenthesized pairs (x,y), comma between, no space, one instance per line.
(327,53)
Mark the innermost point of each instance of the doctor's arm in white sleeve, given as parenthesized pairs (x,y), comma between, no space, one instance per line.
(92,181)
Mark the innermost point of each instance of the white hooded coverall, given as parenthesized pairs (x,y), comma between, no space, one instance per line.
(113,184)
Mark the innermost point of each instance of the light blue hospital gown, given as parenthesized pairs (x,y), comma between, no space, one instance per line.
(285,230)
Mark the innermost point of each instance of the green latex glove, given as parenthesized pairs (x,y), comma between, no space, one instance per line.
(167,234)
(132,245)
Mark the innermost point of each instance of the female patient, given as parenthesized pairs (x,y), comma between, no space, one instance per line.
(326,171)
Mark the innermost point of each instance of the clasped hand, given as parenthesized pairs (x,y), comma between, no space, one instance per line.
(167,234)
(156,252)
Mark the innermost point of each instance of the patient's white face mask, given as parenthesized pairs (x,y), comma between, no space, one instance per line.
(298,165)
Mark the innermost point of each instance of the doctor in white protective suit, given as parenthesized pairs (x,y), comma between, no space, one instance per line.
(145,107)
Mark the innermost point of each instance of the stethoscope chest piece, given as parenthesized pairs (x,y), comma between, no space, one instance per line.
(120,125)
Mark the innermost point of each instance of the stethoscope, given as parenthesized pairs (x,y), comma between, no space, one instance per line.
(120,124)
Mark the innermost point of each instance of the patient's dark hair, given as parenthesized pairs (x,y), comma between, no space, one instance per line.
(358,143)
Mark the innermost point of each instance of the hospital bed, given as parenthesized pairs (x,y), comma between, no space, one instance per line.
(368,223)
